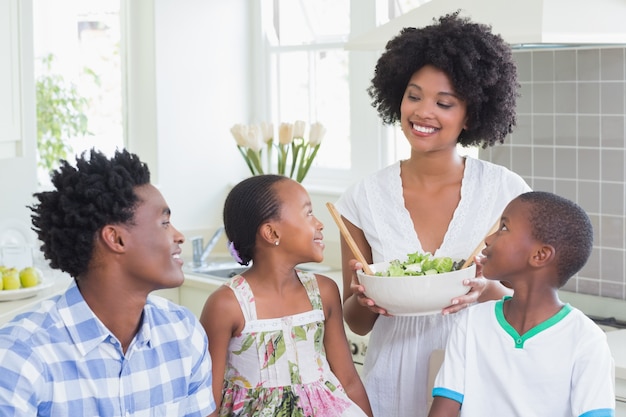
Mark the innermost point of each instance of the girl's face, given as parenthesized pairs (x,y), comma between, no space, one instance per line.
(510,248)
(300,231)
(431,114)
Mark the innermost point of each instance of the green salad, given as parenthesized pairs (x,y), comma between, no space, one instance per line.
(420,264)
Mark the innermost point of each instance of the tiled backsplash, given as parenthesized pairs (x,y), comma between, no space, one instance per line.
(570,139)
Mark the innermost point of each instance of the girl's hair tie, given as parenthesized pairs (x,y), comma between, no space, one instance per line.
(234,253)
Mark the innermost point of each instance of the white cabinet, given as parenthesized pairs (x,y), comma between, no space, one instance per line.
(10,83)
(169,293)
(617,343)
(195,291)
(620,394)
(18,115)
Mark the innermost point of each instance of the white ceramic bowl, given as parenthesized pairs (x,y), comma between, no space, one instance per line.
(414,295)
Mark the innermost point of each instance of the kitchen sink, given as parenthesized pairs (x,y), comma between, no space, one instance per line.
(225,269)
(223,273)
(218,268)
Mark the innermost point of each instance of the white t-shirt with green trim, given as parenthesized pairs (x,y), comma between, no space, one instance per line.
(561,367)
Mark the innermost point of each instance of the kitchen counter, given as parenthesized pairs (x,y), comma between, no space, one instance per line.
(9,309)
(617,341)
(196,288)
(200,286)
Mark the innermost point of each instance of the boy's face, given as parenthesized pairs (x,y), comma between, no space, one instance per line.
(152,243)
(510,248)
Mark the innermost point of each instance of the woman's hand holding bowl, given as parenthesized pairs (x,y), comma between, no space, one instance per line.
(477,285)
(359,291)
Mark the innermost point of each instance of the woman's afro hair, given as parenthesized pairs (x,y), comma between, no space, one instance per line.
(97,192)
(479,64)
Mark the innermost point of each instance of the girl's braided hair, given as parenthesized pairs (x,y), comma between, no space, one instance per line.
(249,204)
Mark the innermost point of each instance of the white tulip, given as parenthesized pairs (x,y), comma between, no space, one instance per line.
(316,134)
(298,129)
(255,138)
(240,133)
(285,133)
(268,131)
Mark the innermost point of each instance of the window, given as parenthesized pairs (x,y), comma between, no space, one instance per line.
(311,76)
(308,69)
(77,56)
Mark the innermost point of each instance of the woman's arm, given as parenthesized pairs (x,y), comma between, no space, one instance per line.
(221,317)
(336,345)
(359,311)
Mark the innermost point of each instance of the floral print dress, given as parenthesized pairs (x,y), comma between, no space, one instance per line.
(278,367)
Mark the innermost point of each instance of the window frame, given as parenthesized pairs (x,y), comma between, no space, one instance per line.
(366,130)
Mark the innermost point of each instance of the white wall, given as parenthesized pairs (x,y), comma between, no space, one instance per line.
(203,82)
(201,56)
(192,81)
(18,174)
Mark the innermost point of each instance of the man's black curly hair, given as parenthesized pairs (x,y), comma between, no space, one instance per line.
(479,64)
(563,224)
(97,192)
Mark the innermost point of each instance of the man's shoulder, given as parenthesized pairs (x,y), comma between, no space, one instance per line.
(24,326)
(174,322)
(165,310)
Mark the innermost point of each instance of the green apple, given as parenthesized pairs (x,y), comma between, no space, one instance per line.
(11,279)
(29,277)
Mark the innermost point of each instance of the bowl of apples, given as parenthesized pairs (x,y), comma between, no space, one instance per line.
(16,284)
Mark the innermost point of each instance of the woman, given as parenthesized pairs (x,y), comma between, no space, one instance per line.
(450,83)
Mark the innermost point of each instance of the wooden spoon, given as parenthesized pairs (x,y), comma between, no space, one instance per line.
(480,246)
(348,237)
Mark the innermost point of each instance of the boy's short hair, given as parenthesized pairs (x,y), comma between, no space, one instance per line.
(97,192)
(563,224)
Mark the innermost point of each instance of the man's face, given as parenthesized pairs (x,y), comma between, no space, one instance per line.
(152,243)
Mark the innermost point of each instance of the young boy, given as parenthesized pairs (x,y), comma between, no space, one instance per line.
(529,354)
(104,347)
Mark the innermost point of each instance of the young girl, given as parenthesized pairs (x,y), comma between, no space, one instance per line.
(276,334)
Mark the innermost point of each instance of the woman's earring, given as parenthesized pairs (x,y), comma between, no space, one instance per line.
(276,243)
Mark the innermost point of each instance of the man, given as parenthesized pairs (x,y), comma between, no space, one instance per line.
(104,347)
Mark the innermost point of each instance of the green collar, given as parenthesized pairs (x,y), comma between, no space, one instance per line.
(519,340)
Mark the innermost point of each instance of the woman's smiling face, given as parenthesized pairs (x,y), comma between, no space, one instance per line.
(431,113)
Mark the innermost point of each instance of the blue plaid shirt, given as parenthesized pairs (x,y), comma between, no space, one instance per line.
(60,360)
